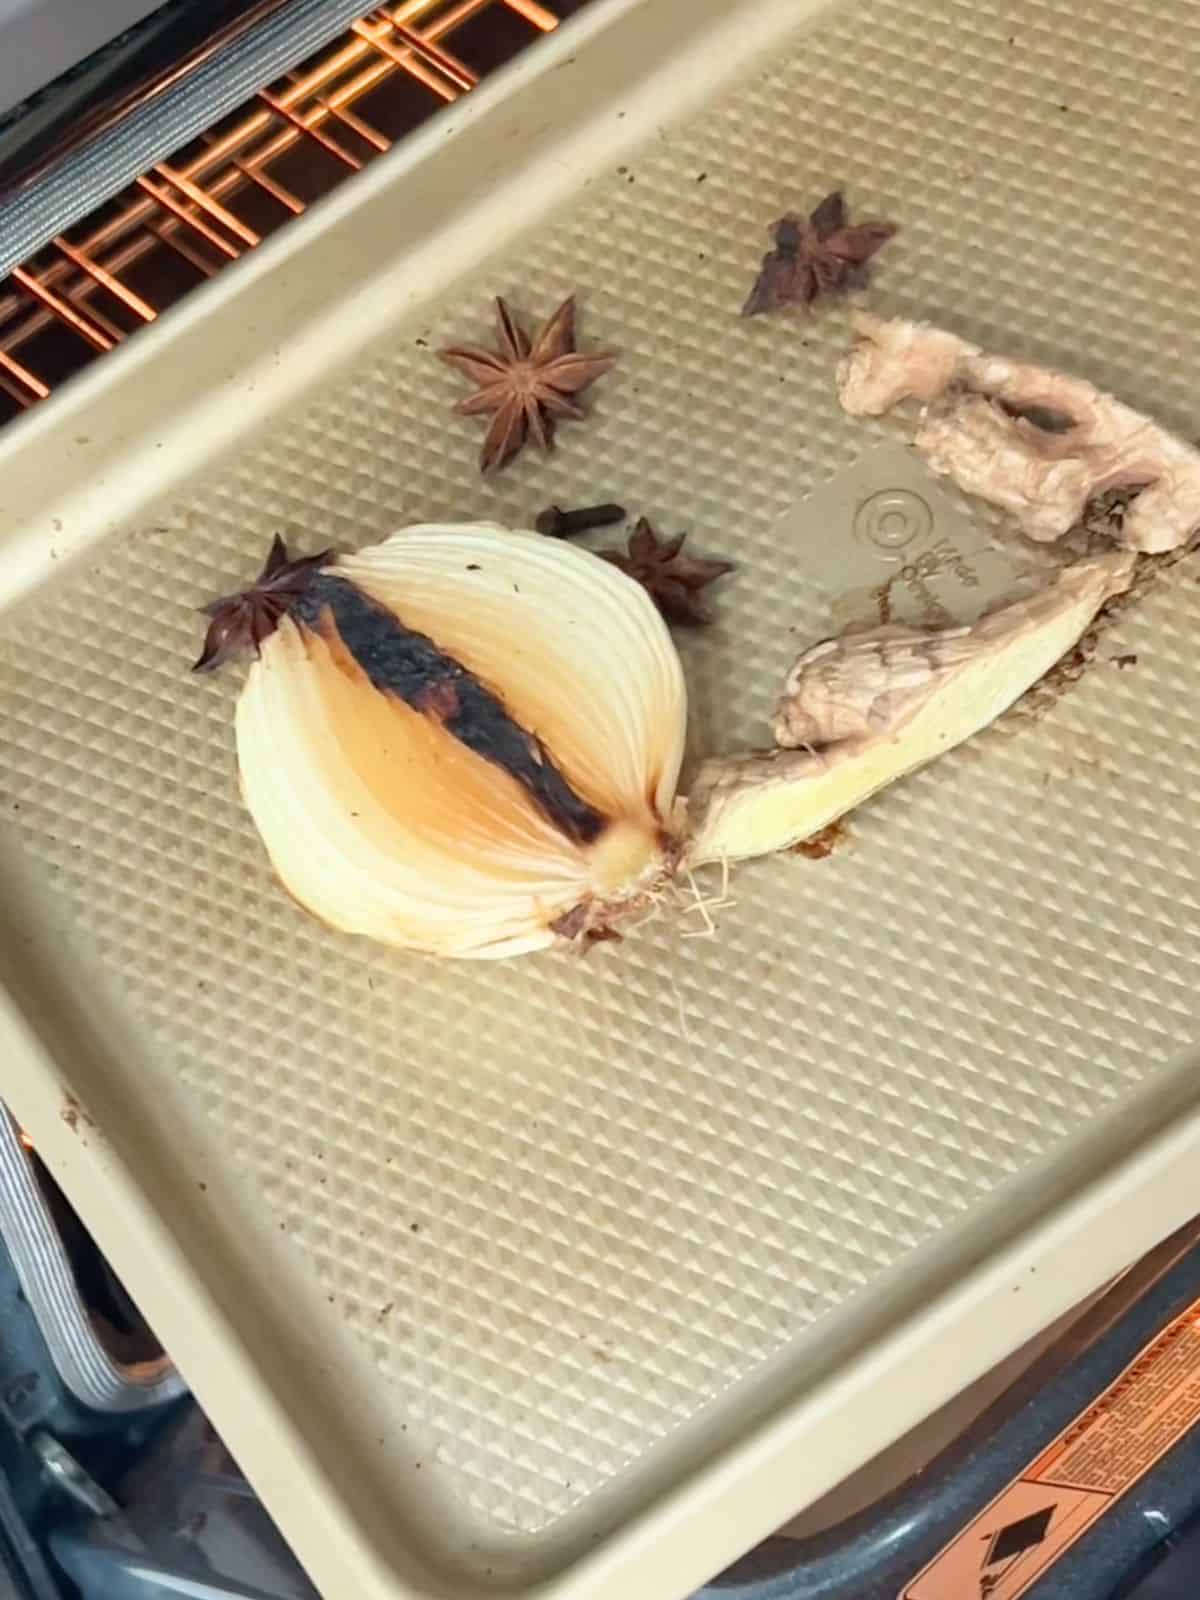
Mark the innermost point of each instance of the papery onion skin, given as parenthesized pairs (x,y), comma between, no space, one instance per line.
(406,794)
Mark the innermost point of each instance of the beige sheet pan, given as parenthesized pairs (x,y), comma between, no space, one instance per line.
(576,1278)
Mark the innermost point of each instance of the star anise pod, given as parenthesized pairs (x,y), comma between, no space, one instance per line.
(672,579)
(526,385)
(824,254)
(243,621)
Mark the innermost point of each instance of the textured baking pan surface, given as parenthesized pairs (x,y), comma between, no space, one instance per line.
(534,1240)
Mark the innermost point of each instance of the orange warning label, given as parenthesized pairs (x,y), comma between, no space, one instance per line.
(1070,1486)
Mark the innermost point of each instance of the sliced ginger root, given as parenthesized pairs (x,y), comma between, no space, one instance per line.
(860,711)
(1036,442)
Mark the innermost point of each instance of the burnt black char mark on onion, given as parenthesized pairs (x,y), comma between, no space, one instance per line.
(410,665)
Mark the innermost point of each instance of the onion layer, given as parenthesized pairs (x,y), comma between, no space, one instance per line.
(466,741)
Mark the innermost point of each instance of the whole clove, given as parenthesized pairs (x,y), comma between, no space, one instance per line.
(556,523)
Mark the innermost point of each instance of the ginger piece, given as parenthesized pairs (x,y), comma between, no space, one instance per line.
(1036,442)
(860,711)
(1009,462)
(896,360)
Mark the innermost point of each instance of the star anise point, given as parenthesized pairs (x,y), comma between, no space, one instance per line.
(673,579)
(247,619)
(528,384)
(823,254)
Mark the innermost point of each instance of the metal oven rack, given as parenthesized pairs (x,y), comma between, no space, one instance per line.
(204,206)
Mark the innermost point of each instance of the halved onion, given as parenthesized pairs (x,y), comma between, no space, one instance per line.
(466,741)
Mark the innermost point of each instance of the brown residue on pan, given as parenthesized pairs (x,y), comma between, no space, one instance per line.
(73,1113)
(1151,571)
(820,846)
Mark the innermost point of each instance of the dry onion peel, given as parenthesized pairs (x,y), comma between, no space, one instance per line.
(466,741)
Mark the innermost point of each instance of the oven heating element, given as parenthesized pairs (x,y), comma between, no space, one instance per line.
(192,214)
